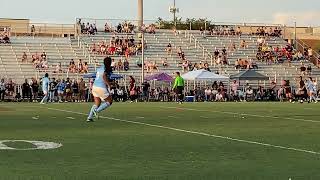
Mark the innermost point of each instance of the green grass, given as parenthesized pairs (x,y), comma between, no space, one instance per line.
(114,149)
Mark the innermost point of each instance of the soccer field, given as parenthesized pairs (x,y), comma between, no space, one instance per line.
(223,141)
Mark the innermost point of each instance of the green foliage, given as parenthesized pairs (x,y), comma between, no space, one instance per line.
(194,24)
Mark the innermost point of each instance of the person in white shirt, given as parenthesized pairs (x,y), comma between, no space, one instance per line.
(120,93)
(310,52)
(208,93)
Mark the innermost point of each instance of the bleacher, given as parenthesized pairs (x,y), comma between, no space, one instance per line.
(196,47)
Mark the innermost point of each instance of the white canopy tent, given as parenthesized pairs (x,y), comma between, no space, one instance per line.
(203,75)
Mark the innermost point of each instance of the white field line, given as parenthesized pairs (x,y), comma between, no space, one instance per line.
(204,117)
(139,117)
(242,114)
(197,133)
(70,118)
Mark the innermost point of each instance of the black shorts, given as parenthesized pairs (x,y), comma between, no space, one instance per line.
(179,90)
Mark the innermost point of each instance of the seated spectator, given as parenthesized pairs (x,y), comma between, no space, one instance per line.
(243,44)
(80,66)
(93,48)
(85,67)
(155,66)
(169,48)
(126,65)
(33,30)
(139,63)
(185,66)
(309,69)
(310,53)
(165,63)
(236,64)
(303,69)
(6,39)
(43,56)
(179,52)
(216,54)
(24,57)
(249,93)
(58,68)
(113,64)
(238,31)
(72,67)
(232,46)
(260,40)
(44,64)
(107,29)
(120,65)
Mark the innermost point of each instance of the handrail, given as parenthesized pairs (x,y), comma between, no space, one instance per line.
(316,55)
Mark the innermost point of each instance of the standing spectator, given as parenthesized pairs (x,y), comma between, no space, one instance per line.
(126,65)
(68,91)
(33,30)
(132,89)
(75,90)
(310,53)
(35,89)
(26,91)
(52,90)
(2,89)
(10,87)
(61,88)
(82,90)
(145,91)
(24,57)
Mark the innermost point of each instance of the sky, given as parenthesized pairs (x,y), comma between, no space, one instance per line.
(306,12)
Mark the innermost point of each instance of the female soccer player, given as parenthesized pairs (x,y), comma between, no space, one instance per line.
(101,89)
(45,88)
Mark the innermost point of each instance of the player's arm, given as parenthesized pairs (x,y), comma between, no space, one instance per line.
(106,80)
(175,83)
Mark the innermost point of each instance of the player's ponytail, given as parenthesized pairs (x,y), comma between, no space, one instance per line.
(107,65)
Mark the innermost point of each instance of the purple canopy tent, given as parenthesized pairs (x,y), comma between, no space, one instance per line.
(160,77)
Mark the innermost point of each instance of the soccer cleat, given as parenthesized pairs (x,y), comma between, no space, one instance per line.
(90,120)
(95,114)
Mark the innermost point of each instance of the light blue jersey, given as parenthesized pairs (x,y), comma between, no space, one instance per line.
(311,86)
(99,82)
(45,84)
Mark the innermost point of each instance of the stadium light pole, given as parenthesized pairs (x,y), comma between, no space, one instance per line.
(140,24)
(174,10)
(295,34)
(140,14)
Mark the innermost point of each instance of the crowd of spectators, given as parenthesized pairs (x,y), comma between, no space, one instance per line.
(71,90)
(223,31)
(79,67)
(265,31)
(39,61)
(226,30)
(269,55)
(5,36)
(118,46)
(245,64)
